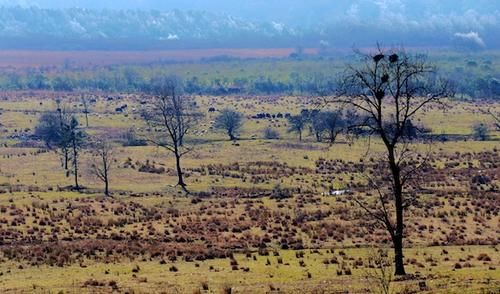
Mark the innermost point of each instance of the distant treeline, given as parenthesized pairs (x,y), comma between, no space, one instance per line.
(473,77)
(129,80)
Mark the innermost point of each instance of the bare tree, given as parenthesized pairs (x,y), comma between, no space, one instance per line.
(230,121)
(64,143)
(103,161)
(170,116)
(76,137)
(86,109)
(389,89)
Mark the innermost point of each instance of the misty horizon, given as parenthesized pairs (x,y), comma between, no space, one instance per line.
(200,24)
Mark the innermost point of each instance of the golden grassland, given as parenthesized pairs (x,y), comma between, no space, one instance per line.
(30,176)
(265,273)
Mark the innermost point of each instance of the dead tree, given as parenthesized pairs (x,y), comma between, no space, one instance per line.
(103,161)
(389,88)
(64,143)
(76,137)
(170,116)
(86,109)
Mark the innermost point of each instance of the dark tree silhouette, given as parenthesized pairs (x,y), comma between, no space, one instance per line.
(334,124)
(76,136)
(170,116)
(86,109)
(53,129)
(64,143)
(330,123)
(229,120)
(103,161)
(318,126)
(480,132)
(390,88)
(297,124)
(48,129)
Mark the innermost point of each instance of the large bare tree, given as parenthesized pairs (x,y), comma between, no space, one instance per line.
(103,162)
(170,116)
(388,88)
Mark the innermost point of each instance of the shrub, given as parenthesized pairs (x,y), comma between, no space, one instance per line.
(484,257)
(271,134)
(131,139)
(480,132)
(280,193)
(347,271)
(113,285)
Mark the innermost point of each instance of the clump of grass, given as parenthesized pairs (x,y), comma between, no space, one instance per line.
(484,257)
(227,289)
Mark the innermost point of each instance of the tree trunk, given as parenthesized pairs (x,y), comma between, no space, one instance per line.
(231,136)
(333,136)
(87,119)
(66,158)
(75,164)
(65,148)
(106,186)
(397,238)
(318,136)
(180,181)
(398,257)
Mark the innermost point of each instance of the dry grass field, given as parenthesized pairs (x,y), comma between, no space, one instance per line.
(237,231)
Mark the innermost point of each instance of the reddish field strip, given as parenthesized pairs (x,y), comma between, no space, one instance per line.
(26,58)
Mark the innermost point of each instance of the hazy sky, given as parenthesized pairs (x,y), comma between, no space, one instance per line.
(435,21)
(291,11)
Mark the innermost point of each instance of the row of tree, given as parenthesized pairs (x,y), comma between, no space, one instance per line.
(169,115)
(63,133)
(384,94)
(322,124)
(135,81)
(467,82)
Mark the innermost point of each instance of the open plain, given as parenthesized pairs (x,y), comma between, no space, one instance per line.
(261,215)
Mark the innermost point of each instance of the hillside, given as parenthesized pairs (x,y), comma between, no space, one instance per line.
(46,28)
(342,26)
